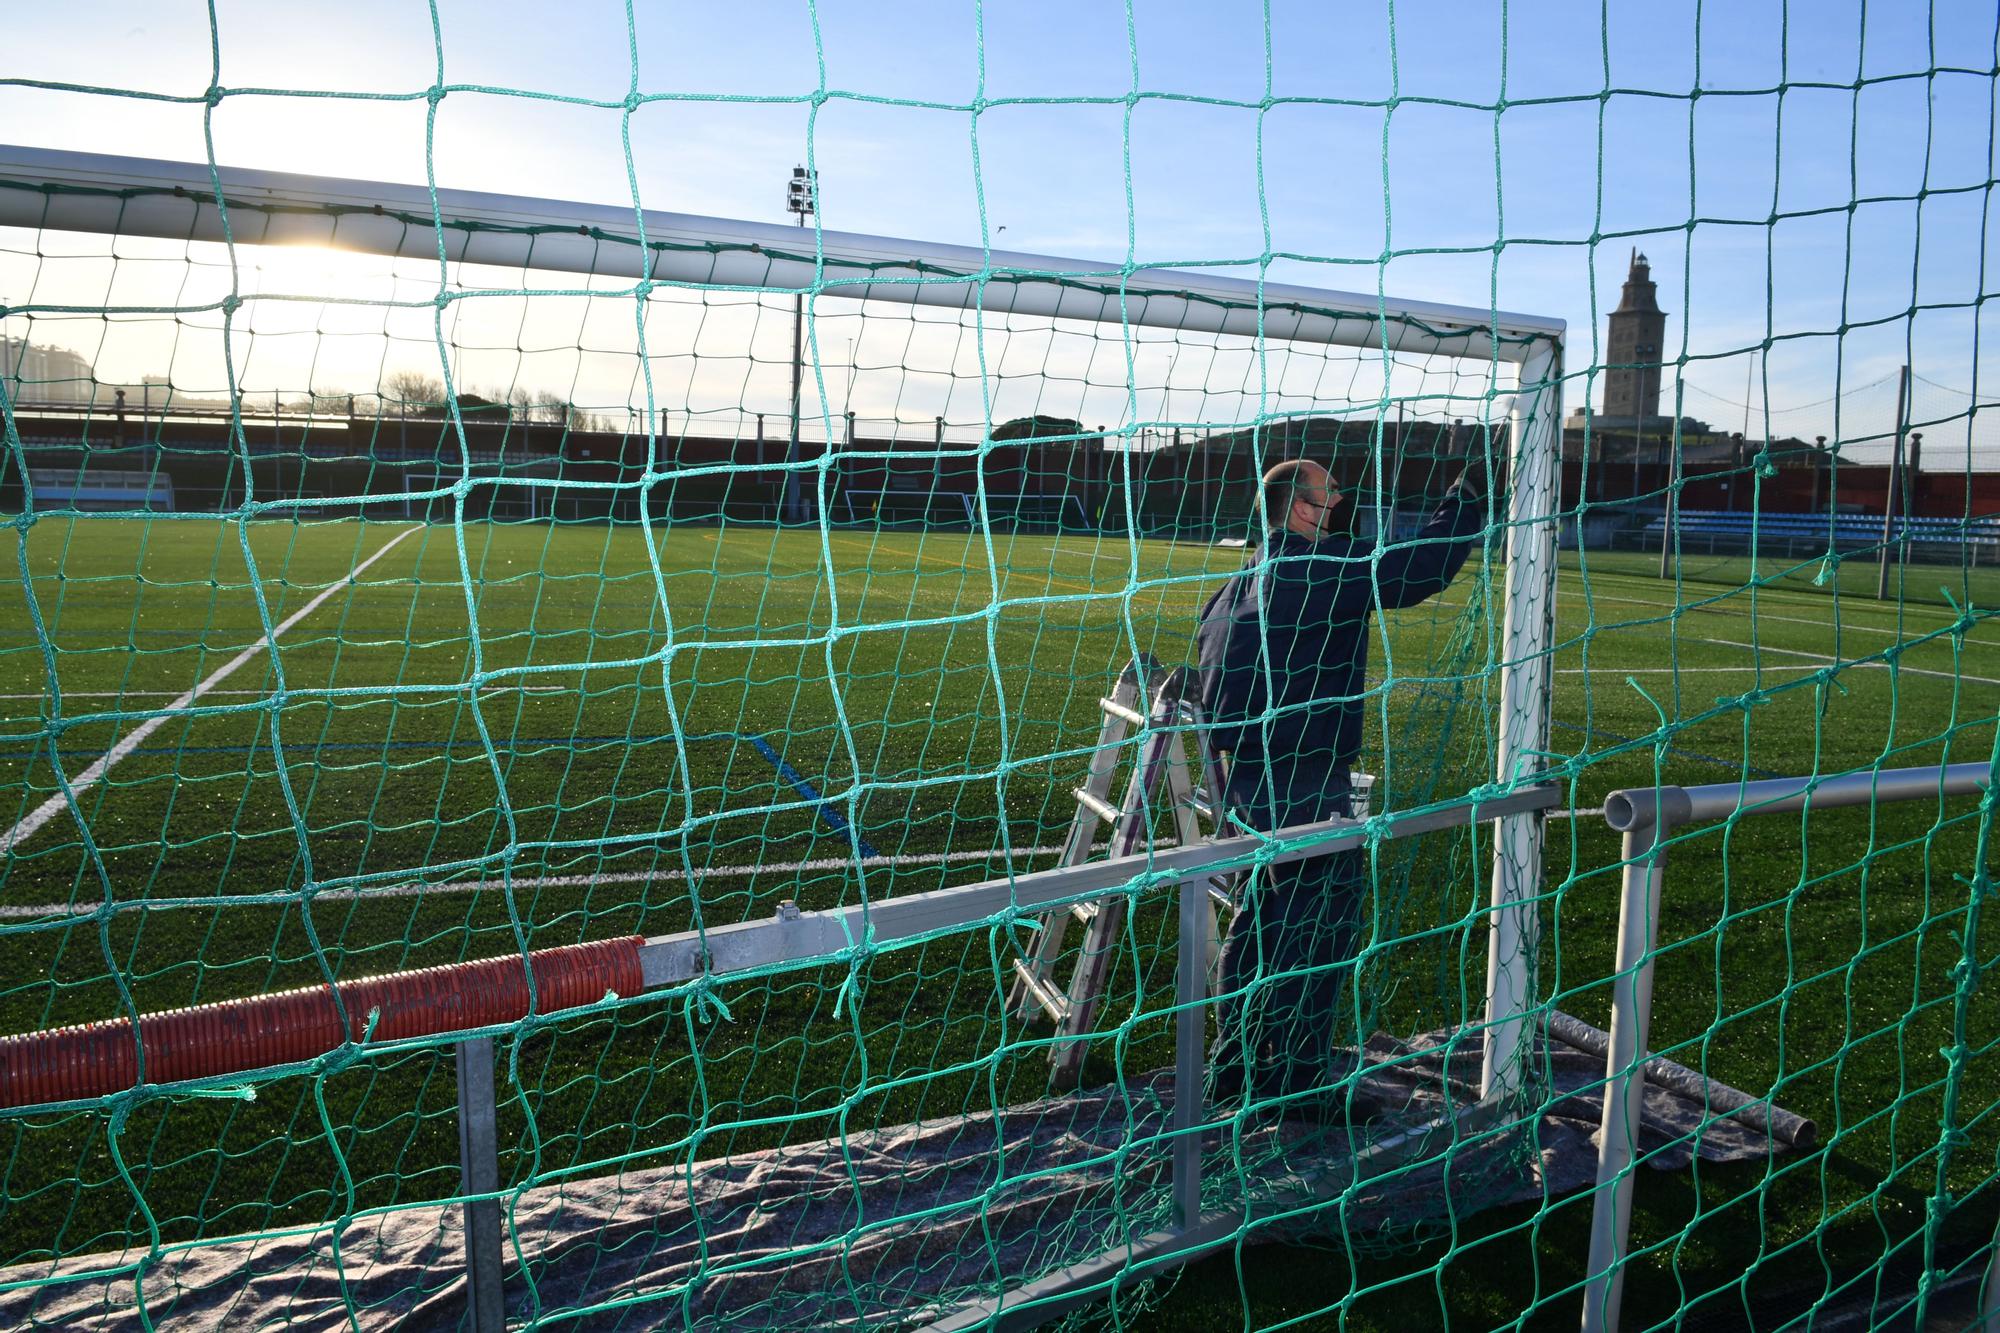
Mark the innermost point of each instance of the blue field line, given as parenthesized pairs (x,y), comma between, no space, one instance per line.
(806,789)
(1733,765)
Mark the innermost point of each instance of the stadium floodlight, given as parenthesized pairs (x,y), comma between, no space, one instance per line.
(799,193)
(801,199)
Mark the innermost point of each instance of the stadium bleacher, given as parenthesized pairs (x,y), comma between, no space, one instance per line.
(1721,532)
(102,489)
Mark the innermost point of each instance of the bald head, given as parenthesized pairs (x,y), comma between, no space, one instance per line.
(1300,497)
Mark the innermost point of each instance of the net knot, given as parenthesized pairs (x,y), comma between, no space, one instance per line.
(704,1003)
(342,1057)
(1266,844)
(849,985)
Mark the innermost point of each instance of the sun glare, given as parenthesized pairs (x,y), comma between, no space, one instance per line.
(308,270)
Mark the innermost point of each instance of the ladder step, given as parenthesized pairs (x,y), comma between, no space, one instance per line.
(1121,712)
(1053,1002)
(1084,912)
(1098,806)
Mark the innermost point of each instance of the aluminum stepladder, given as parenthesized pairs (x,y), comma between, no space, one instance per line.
(1160,775)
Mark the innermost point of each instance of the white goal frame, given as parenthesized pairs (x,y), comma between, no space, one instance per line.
(195,201)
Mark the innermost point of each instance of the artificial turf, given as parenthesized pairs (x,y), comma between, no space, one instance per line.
(604,734)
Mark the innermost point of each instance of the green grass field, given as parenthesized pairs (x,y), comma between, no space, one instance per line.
(561,733)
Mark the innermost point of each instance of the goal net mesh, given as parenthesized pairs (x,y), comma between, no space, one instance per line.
(513,584)
(498,609)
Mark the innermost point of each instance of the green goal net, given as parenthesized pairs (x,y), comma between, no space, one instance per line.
(649,661)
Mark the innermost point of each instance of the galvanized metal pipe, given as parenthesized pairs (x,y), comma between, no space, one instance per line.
(1190,990)
(805,938)
(1625,1085)
(1630,809)
(1648,818)
(479,1174)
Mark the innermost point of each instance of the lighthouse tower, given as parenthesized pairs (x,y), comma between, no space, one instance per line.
(1632,352)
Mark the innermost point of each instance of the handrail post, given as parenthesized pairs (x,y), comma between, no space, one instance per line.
(1189,991)
(1989,1298)
(1645,857)
(479,1167)
(1648,818)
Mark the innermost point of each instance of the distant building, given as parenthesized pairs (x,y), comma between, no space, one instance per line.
(1630,428)
(40,373)
(1638,329)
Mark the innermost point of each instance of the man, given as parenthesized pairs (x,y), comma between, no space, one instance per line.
(1283,649)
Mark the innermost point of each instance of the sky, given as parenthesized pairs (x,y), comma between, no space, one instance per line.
(1801,175)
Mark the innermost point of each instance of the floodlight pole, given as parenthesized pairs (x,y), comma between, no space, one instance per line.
(798,199)
(1889,495)
(1667,529)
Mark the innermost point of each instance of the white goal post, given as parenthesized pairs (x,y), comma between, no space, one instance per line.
(76,192)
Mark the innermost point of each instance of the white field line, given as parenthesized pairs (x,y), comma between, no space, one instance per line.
(1802,600)
(36,911)
(1847,626)
(1687,671)
(1790,600)
(265,694)
(1879,666)
(307,693)
(90,777)
(1742,613)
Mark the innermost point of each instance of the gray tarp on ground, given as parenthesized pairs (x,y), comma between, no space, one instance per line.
(915,1210)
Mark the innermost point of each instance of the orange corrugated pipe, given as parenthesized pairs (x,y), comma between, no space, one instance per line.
(260,1031)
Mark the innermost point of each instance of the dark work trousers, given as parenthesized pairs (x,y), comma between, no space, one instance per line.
(1288,957)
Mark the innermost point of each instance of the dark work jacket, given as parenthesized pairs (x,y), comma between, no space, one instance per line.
(1316,598)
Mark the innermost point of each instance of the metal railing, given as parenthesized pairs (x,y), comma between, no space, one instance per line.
(795,938)
(1648,818)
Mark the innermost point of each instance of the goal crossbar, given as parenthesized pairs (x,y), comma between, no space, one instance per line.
(91,192)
